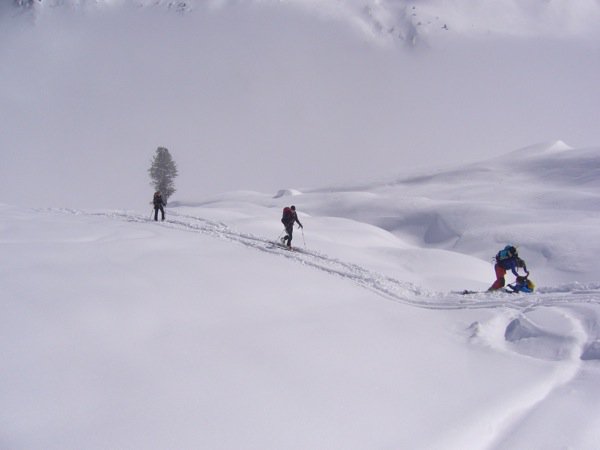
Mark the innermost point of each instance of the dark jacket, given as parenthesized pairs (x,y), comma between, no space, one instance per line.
(158,201)
(289,217)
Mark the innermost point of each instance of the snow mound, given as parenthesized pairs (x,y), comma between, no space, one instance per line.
(287,193)
(529,339)
(520,329)
(591,352)
(544,148)
(439,231)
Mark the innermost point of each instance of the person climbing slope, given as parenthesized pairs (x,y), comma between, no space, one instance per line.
(288,219)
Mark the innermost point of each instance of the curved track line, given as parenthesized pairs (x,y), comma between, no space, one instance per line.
(385,286)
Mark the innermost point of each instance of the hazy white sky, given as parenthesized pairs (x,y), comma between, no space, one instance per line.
(267,96)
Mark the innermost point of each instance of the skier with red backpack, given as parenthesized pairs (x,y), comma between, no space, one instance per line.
(288,219)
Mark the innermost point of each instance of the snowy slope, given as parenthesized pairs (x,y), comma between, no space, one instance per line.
(542,198)
(534,197)
(150,336)
(197,332)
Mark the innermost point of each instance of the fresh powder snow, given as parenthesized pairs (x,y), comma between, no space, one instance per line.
(416,139)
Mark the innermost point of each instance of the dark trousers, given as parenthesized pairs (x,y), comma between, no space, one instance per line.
(289,229)
(156,208)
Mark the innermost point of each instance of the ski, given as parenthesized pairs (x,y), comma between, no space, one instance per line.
(497,291)
(275,244)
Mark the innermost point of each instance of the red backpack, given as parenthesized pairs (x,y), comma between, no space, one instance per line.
(288,215)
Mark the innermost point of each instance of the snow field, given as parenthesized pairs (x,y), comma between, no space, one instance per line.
(174,333)
(197,332)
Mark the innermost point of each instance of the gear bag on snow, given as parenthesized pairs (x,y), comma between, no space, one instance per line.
(522,284)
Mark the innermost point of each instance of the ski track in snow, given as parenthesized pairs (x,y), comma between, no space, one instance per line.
(385,286)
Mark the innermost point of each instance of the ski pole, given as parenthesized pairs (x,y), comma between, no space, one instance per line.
(151,211)
(278,240)
(304,240)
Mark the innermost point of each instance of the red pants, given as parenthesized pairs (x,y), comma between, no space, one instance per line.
(500,281)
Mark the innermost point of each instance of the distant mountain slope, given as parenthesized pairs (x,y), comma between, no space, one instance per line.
(403,19)
(259,95)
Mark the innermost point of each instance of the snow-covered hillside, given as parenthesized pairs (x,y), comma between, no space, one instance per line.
(198,332)
(393,126)
(536,197)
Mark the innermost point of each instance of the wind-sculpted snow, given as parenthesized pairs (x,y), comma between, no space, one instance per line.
(532,197)
(592,351)
(529,339)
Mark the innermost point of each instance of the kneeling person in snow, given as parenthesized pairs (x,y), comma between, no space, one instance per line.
(507,259)
(288,219)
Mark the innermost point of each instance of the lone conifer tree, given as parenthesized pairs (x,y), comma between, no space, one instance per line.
(162,172)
